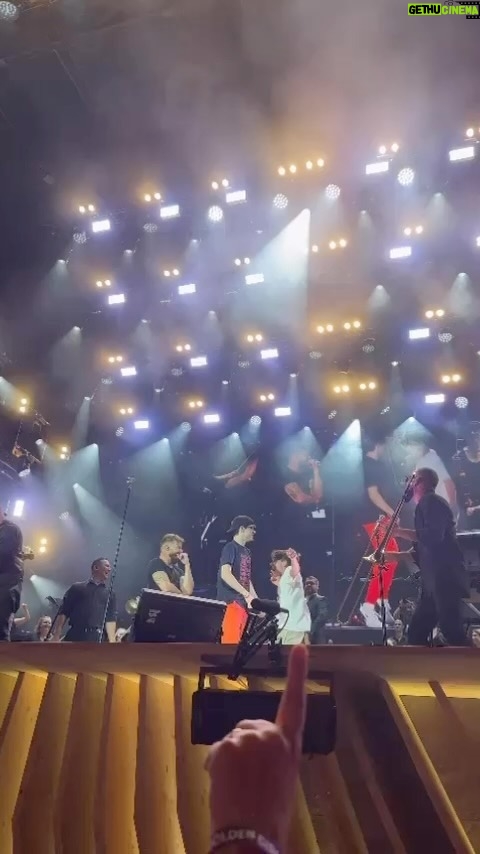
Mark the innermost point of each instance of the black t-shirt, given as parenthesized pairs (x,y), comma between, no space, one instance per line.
(84,606)
(318,607)
(174,572)
(439,556)
(376,473)
(240,560)
(11,547)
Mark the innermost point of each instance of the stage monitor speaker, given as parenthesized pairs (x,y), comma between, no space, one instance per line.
(170,618)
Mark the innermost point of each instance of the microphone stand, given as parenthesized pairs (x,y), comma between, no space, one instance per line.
(379,553)
(113,574)
(256,633)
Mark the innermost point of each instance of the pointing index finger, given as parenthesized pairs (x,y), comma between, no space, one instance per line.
(292,708)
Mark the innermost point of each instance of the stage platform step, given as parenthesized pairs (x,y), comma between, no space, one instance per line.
(95,752)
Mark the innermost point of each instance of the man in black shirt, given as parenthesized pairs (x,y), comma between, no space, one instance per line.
(234,581)
(442,572)
(84,606)
(318,607)
(11,573)
(171,571)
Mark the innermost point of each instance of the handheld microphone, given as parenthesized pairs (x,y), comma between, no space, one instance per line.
(268,607)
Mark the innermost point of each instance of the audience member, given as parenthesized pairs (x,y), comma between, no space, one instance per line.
(399,637)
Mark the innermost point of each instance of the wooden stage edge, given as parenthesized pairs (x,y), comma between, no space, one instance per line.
(95,751)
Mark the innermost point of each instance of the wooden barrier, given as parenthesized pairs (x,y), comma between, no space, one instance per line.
(95,752)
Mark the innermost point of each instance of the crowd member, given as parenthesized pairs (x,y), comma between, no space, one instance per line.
(171,571)
(475,636)
(442,573)
(11,573)
(399,637)
(234,580)
(318,607)
(286,575)
(422,456)
(24,618)
(404,611)
(254,773)
(84,607)
(42,629)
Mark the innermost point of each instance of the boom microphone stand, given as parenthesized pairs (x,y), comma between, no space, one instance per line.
(378,555)
(113,574)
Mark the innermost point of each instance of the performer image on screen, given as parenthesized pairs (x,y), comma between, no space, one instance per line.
(443,578)
(380,500)
(318,607)
(286,575)
(422,456)
(171,571)
(303,483)
(84,606)
(468,482)
(234,581)
(11,573)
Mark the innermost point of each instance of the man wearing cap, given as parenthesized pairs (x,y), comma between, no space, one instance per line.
(234,582)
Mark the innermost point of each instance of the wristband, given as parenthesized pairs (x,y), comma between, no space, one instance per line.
(242,834)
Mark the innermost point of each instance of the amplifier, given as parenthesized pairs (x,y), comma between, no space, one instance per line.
(170,618)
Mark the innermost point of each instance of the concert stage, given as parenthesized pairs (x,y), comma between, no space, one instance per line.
(95,752)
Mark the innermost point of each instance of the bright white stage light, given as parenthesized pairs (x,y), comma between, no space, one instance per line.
(99,225)
(445,337)
(254,278)
(198,361)
(211,418)
(376,168)
(8,11)
(255,421)
(416,334)
(280,201)
(116,299)
(434,398)
(169,211)
(478,241)
(141,425)
(18,509)
(215,213)
(282,411)
(332,192)
(461,402)
(119,432)
(80,237)
(64,516)
(187,289)
(400,252)
(465,153)
(129,371)
(235,197)
(406,176)
(271,353)
(185,427)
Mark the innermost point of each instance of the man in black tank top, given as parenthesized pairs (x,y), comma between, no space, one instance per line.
(171,571)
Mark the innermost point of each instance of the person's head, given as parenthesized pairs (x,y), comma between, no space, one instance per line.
(311,585)
(416,447)
(101,569)
(43,627)
(280,561)
(171,547)
(376,448)
(476,636)
(243,529)
(398,628)
(407,607)
(298,458)
(426,480)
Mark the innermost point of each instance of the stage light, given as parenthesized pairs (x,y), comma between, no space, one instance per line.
(376,168)
(315,355)
(282,411)
(129,371)
(119,432)
(211,418)
(405,177)
(280,201)
(198,361)
(332,192)
(254,278)
(169,211)
(400,252)
(187,289)
(320,162)
(180,348)
(141,425)
(64,453)
(264,397)
(82,209)
(281,170)
(225,183)
(345,388)
(394,147)
(22,410)
(445,337)
(315,248)
(255,421)
(185,427)
(215,213)
(362,386)
(18,509)
(126,411)
(100,225)
(394,364)
(235,197)
(451,378)
(416,334)
(465,153)
(104,283)
(196,404)
(347,326)
(332,414)
(24,401)
(237,262)
(64,516)
(116,299)
(157,197)
(469,133)
(332,245)
(271,353)
(147,197)
(385,410)
(368,346)
(342,243)
(478,240)
(372,386)
(225,382)
(329,327)
(461,402)
(309,165)
(292,169)
(357,324)
(438,312)
(80,237)
(434,398)
(175,272)
(246,261)
(91,208)
(214,185)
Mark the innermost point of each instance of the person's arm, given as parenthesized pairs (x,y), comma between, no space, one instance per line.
(59,624)
(227,576)
(252,591)
(164,584)
(451,491)
(111,621)
(64,613)
(405,534)
(379,502)
(187,583)
(317,485)
(296,493)
(295,563)
(20,621)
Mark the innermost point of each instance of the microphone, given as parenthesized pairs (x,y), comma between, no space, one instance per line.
(268,607)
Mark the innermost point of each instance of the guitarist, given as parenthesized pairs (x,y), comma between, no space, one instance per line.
(12,556)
